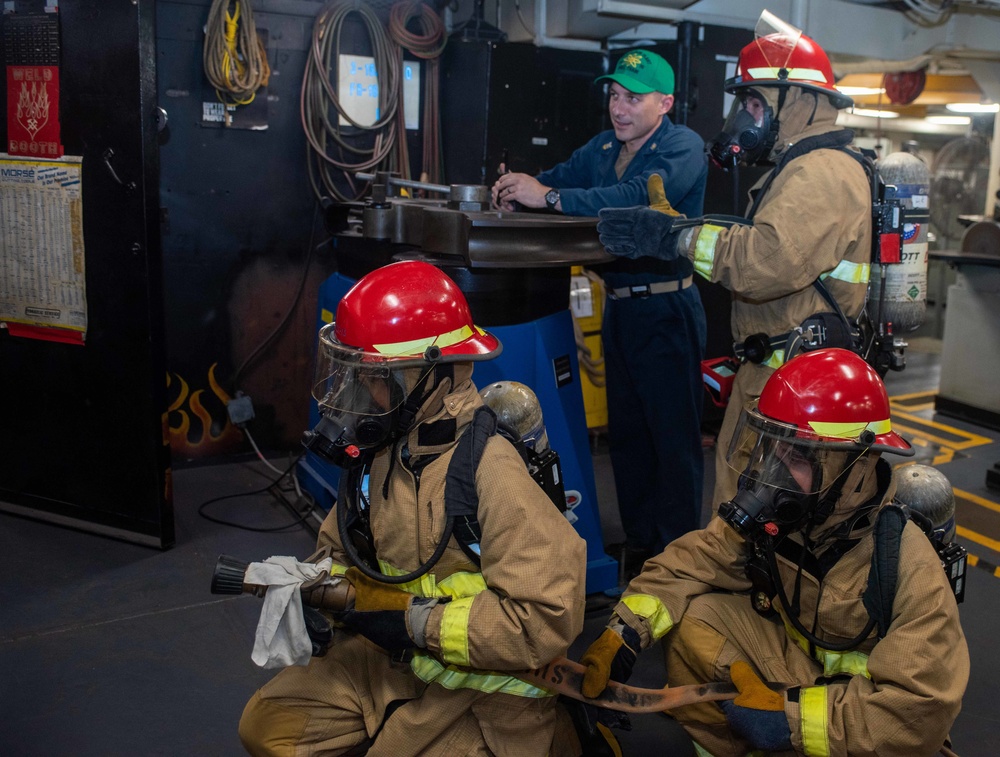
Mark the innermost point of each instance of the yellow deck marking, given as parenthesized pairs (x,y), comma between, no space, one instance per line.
(970,439)
(976,499)
(902,399)
(975,562)
(984,541)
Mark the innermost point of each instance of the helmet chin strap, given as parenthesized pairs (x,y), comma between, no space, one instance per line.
(776,121)
(418,396)
(815,106)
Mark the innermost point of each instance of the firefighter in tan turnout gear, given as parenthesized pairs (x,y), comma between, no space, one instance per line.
(809,218)
(421,664)
(807,577)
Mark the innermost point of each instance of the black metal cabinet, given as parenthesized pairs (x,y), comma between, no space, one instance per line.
(83,438)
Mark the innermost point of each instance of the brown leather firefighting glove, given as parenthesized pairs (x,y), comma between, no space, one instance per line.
(391,618)
(758,713)
(644,231)
(612,656)
(658,197)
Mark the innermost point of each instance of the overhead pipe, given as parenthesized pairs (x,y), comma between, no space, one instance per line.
(686,31)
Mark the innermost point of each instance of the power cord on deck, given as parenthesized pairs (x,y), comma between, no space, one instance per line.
(301,518)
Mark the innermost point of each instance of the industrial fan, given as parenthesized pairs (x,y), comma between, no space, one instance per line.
(958,185)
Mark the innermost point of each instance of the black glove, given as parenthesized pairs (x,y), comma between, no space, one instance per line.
(612,656)
(319,630)
(386,628)
(638,232)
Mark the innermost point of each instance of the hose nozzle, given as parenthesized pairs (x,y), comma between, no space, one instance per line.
(228,576)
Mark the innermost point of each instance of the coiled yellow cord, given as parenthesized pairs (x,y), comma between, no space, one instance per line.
(234,58)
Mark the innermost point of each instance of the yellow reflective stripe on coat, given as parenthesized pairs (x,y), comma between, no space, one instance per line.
(853,663)
(651,609)
(461,584)
(455,631)
(431,670)
(776,360)
(813,717)
(704,250)
(852,273)
(462,587)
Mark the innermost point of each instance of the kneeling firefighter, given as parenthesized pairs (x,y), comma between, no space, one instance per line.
(798,264)
(420,665)
(808,576)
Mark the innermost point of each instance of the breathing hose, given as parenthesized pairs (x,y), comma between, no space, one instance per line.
(352,492)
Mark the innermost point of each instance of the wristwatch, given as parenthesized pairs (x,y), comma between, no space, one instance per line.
(551,198)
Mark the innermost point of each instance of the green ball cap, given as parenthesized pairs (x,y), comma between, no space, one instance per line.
(642,72)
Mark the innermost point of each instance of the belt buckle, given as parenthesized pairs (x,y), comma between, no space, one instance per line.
(641,290)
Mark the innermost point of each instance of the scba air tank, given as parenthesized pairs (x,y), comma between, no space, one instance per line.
(905,301)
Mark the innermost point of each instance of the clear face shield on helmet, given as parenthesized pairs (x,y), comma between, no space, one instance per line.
(359,396)
(784,471)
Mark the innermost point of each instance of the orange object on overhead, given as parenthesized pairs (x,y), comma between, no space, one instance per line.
(903,87)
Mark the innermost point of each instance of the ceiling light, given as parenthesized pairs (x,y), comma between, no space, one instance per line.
(948,120)
(858,91)
(973,107)
(867,113)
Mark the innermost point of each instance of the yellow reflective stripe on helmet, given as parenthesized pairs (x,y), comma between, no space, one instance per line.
(813,715)
(853,663)
(852,273)
(850,430)
(653,610)
(430,670)
(455,631)
(417,346)
(704,250)
(771,72)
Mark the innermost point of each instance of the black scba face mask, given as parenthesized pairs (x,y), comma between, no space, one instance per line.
(347,441)
(361,412)
(743,141)
(769,509)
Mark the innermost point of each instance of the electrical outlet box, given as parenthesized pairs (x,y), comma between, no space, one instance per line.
(240,410)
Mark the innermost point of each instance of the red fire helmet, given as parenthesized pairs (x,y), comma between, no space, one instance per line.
(410,311)
(833,399)
(781,56)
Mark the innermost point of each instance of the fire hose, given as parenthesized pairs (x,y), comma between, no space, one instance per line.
(561,675)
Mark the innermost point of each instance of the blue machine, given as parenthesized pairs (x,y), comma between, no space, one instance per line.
(542,355)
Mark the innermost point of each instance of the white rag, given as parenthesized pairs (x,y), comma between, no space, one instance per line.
(281,638)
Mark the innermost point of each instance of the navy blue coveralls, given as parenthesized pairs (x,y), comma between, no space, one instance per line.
(653,345)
